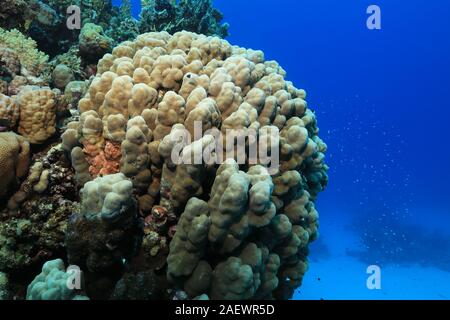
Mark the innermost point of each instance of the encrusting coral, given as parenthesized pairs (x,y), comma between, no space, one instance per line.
(239,231)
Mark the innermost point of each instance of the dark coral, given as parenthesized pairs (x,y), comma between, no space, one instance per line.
(96,245)
(145,285)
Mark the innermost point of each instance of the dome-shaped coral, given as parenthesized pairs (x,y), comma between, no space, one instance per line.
(247,222)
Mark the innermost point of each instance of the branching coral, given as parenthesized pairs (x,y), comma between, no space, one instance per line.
(244,228)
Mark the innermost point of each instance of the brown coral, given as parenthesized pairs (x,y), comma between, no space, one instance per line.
(14,159)
(37,113)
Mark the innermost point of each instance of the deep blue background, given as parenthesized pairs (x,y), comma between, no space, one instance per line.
(382,97)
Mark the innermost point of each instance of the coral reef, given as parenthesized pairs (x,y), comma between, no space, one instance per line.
(45,21)
(235,231)
(111,197)
(196,16)
(33,226)
(70,59)
(51,284)
(22,65)
(125,26)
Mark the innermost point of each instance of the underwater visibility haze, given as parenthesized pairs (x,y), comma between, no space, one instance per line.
(115,166)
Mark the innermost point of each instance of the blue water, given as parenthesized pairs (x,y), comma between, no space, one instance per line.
(382,100)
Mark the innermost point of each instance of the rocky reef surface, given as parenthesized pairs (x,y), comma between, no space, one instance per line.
(88,130)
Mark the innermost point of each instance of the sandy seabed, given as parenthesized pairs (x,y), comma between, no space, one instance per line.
(339,276)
